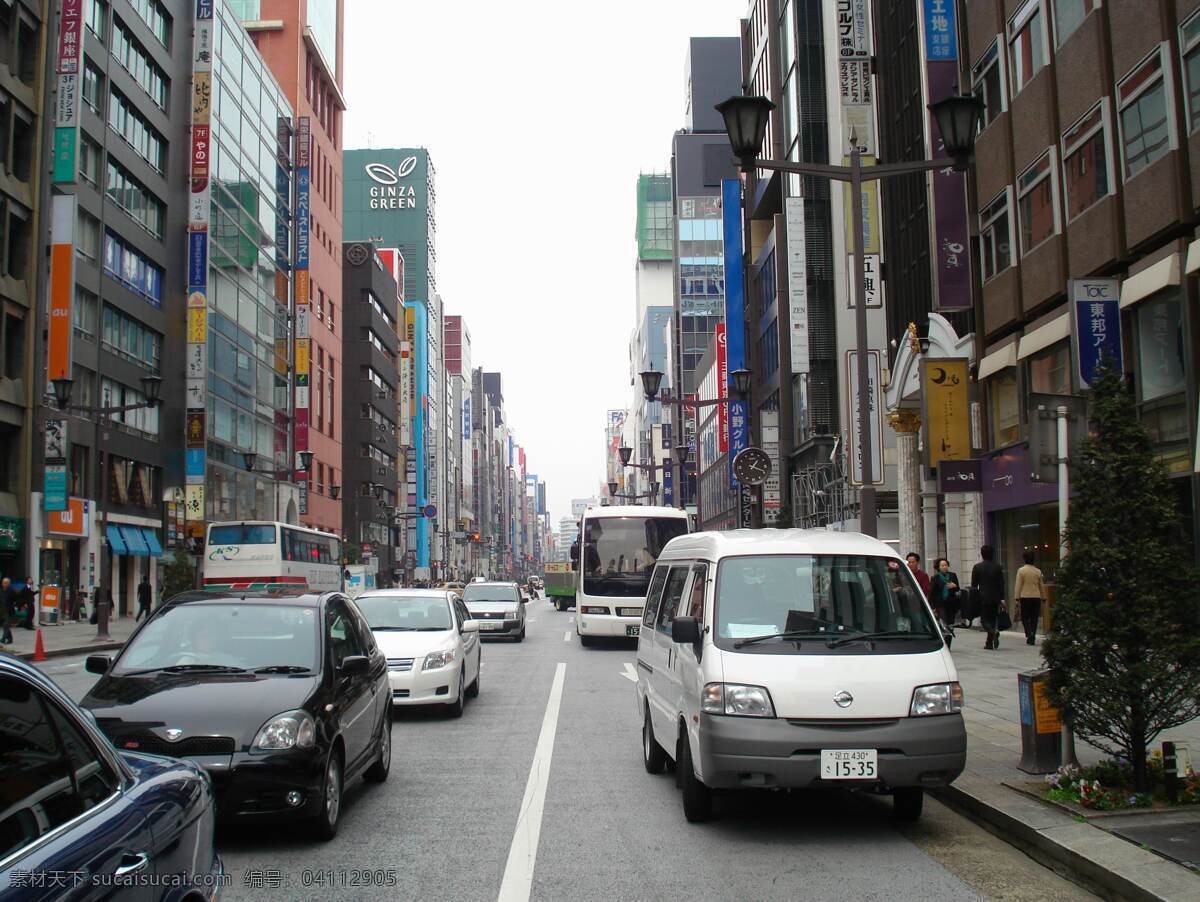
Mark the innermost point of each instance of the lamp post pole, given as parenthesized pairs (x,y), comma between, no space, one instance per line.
(867,513)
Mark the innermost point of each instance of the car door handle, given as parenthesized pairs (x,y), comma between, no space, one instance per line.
(132,863)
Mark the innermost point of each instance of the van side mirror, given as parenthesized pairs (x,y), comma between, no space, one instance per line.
(97,664)
(685,630)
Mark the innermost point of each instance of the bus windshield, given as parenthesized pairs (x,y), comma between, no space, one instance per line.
(619,552)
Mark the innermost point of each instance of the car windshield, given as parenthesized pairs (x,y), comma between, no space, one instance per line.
(241,635)
(824,595)
(405,612)
(619,552)
(476,593)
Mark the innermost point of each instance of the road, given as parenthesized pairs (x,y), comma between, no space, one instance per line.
(538,792)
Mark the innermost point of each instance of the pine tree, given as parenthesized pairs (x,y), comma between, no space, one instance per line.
(1124,653)
(179,575)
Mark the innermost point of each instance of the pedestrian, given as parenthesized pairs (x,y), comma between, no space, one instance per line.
(1029,591)
(27,598)
(914,564)
(8,610)
(145,595)
(987,583)
(944,585)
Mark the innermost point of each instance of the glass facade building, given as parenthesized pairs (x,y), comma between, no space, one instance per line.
(249,286)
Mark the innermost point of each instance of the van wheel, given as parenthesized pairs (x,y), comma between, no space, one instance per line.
(907,803)
(697,798)
(653,756)
(586,641)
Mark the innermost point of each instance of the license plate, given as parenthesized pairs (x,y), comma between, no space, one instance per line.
(485,625)
(849,764)
(632,630)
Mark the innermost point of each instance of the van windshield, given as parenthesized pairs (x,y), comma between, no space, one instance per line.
(619,552)
(829,596)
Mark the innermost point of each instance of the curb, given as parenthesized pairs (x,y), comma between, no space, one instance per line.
(1080,869)
(76,650)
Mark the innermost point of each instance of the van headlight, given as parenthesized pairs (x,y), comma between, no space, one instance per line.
(737,700)
(292,729)
(938,698)
(437,659)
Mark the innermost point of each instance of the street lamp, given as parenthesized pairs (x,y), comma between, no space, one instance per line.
(625,452)
(306,460)
(335,491)
(152,390)
(651,382)
(681,454)
(612,489)
(958,119)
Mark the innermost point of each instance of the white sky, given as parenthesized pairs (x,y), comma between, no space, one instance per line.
(538,117)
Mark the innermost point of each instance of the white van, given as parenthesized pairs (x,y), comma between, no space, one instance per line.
(791,659)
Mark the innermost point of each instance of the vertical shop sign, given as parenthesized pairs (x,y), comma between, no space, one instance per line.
(797,268)
(735,314)
(952,290)
(771,491)
(945,414)
(302,356)
(66,103)
(873,400)
(61,329)
(54,456)
(1095,326)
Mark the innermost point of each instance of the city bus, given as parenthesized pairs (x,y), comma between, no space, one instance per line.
(259,555)
(617,549)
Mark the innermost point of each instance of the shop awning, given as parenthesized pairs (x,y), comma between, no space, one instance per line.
(1042,337)
(134,541)
(997,361)
(115,540)
(152,542)
(1162,274)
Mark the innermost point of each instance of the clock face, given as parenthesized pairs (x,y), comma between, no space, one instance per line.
(752,466)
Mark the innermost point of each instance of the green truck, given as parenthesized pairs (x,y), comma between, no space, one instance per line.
(559,581)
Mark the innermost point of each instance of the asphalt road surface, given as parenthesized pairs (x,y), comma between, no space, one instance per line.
(538,792)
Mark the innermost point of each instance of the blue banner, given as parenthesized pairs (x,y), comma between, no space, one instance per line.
(735,312)
(941,36)
(1095,326)
(197,259)
(194,462)
(669,486)
(302,212)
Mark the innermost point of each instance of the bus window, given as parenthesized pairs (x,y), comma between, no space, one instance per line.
(242,534)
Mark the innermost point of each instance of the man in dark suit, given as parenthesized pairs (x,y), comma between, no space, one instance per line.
(987,581)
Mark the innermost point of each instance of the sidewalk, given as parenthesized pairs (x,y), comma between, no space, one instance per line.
(69,638)
(1089,852)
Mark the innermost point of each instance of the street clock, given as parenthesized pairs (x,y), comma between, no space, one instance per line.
(752,466)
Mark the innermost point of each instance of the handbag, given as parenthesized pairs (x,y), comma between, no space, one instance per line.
(1003,620)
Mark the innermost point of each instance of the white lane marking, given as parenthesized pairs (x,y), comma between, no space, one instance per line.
(629,673)
(522,854)
(567,636)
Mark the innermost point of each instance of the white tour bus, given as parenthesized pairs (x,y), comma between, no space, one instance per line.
(258,555)
(617,550)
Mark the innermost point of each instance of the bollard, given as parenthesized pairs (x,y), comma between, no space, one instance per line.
(1041,725)
(1170,771)
(102,622)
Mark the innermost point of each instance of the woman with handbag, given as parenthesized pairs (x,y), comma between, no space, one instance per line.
(1029,591)
(987,580)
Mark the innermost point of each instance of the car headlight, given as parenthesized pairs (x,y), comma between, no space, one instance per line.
(512,615)
(938,698)
(292,729)
(737,700)
(437,659)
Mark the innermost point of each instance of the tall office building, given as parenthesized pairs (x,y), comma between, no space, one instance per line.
(301,41)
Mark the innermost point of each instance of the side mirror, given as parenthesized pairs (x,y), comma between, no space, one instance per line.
(97,664)
(469,626)
(354,664)
(685,630)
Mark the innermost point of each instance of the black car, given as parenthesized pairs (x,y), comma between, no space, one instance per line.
(80,820)
(283,698)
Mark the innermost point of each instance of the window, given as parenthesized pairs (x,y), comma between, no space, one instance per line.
(1050,370)
(16,253)
(92,80)
(1160,346)
(14,344)
(156,17)
(127,122)
(42,784)
(131,339)
(987,82)
(87,241)
(995,236)
(343,637)
(83,312)
(132,269)
(89,160)
(695,606)
(114,394)
(94,14)
(135,199)
(1189,43)
(654,595)
(1004,408)
(134,60)
(1026,44)
(1142,101)
(671,597)
(1085,162)
(1069,15)
(1036,203)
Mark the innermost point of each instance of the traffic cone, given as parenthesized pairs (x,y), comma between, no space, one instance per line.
(39,650)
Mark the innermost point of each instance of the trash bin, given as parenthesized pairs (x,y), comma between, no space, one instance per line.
(1041,724)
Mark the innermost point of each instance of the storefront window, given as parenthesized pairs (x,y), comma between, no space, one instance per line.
(1004,408)
(1027,529)
(1050,370)
(1160,347)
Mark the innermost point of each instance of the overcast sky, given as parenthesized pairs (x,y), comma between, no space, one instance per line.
(538,116)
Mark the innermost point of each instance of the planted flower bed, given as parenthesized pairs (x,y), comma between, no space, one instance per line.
(1107,786)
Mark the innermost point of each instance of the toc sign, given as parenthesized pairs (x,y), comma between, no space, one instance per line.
(1095,326)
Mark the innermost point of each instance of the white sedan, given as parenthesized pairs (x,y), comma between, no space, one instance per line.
(431,644)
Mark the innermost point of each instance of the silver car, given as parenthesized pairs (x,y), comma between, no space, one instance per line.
(499,608)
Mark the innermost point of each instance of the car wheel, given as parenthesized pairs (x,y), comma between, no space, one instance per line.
(325,824)
(456,709)
(653,756)
(558,606)
(521,635)
(586,641)
(378,772)
(473,689)
(697,798)
(908,802)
